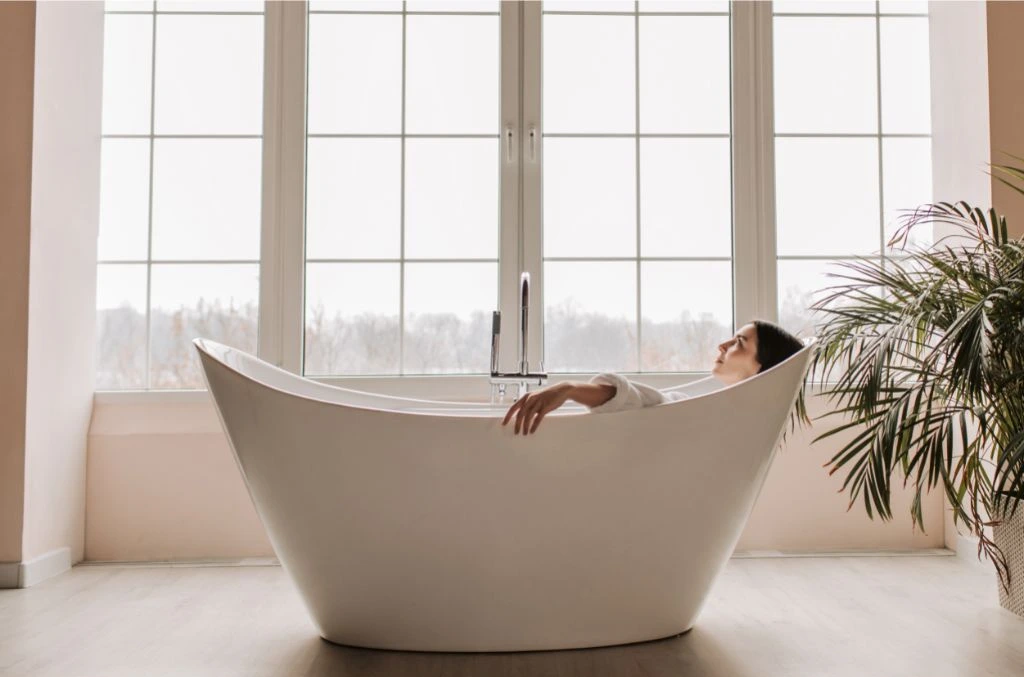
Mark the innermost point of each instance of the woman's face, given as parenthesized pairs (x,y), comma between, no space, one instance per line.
(737,357)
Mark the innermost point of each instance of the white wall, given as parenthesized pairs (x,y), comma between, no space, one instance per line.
(960,131)
(62,273)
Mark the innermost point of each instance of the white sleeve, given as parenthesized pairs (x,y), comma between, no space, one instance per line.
(630,395)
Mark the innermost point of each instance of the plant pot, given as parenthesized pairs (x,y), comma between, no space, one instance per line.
(1009,537)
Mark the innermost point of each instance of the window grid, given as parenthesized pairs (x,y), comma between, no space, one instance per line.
(402,135)
(882,256)
(152,136)
(638,135)
(878,14)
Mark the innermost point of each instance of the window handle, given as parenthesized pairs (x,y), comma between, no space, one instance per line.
(509,145)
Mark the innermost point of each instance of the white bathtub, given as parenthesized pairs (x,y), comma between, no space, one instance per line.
(422,525)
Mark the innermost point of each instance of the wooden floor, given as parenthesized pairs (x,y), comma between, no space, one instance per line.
(917,616)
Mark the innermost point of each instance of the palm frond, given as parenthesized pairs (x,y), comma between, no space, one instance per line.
(922,357)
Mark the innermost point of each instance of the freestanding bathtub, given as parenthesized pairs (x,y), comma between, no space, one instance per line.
(426,525)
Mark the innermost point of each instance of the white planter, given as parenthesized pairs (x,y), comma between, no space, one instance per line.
(1009,537)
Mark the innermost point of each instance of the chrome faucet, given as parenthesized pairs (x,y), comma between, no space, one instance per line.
(524,378)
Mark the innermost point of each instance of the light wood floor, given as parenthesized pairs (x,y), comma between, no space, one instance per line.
(918,616)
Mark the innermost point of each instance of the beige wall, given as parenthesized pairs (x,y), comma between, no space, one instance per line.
(51,78)
(960,118)
(62,273)
(1006,102)
(17,46)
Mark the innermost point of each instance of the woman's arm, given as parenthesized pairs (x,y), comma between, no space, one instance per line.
(590,394)
(538,404)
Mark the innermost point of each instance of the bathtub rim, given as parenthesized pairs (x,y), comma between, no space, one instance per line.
(201,344)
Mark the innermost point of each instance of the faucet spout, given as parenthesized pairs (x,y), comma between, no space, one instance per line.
(523,379)
(524,312)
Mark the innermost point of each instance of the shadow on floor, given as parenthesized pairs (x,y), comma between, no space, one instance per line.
(693,653)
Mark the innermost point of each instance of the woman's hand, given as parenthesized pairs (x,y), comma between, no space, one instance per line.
(532,407)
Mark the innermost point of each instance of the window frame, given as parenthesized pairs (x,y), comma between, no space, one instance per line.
(521,239)
(282,250)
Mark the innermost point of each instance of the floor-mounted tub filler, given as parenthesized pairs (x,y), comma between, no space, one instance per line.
(427,526)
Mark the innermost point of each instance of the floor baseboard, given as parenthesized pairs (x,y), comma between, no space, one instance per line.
(967,551)
(35,570)
(895,552)
(739,554)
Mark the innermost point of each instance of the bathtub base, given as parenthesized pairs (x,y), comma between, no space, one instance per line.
(392,647)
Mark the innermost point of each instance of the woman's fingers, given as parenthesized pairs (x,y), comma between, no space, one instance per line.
(516,406)
(528,410)
(537,412)
(536,422)
(524,415)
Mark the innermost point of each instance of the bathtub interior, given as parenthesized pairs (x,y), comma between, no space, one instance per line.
(281,379)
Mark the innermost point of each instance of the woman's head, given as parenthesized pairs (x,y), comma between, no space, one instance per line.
(757,346)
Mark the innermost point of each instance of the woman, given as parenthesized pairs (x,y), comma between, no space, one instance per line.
(757,346)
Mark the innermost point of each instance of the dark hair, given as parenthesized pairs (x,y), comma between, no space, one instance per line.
(774,344)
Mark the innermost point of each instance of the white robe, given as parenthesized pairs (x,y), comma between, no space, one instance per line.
(631,395)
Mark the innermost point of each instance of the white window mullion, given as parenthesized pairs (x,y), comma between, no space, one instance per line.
(282,247)
(753,157)
(532,239)
(510,161)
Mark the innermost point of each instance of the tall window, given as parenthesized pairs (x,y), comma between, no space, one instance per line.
(852,137)
(179,244)
(402,186)
(637,217)
(417,155)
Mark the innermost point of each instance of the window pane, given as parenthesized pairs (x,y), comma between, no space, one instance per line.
(589,74)
(353,207)
(355,74)
(825,75)
(903,6)
(120,326)
(211,301)
(206,199)
(906,90)
(448,309)
(352,318)
(907,181)
(686,201)
(210,5)
(684,74)
(452,74)
(209,75)
(451,193)
(824,6)
(452,5)
(128,6)
(686,312)
(355,5)
(589,197)
(127,73)
(684,6)
(590,316)
(124,200)
(827,200)
(588,5)
(801,283)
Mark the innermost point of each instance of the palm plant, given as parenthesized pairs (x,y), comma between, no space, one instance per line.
(927,353)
